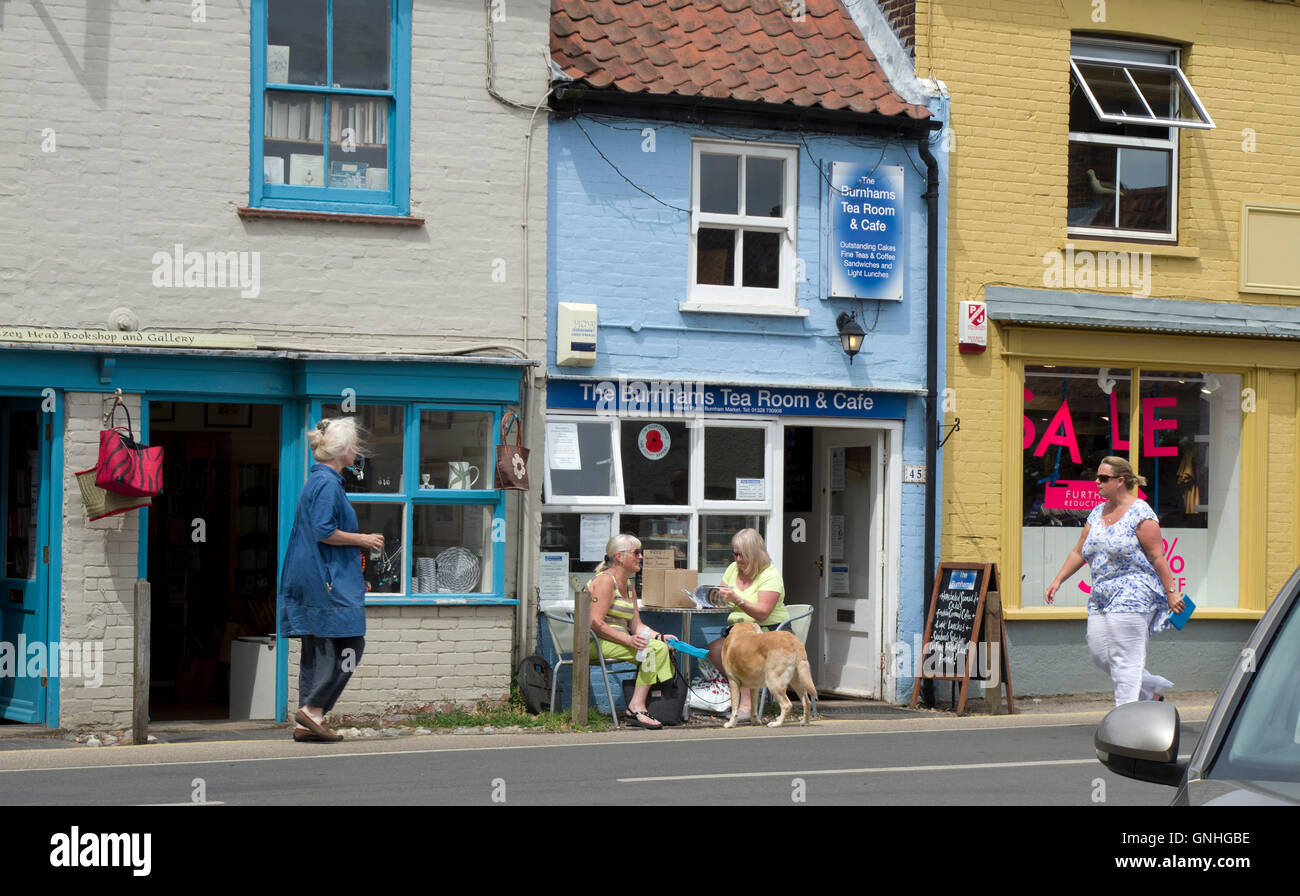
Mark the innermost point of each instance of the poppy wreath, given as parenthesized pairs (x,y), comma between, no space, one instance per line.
(125,466)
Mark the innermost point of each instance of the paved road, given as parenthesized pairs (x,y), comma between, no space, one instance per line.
(1043,760)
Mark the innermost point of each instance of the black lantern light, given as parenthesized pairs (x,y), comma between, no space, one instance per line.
(850,334)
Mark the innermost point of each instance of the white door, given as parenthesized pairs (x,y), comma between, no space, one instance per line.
(852,500)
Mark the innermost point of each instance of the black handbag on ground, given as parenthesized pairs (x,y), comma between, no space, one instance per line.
(666,700)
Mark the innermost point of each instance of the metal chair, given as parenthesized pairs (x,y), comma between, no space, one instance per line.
(559,623)
(800,622)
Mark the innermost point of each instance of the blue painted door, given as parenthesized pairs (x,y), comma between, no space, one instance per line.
(24,573)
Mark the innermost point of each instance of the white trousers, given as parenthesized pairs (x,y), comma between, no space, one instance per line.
(1118,644)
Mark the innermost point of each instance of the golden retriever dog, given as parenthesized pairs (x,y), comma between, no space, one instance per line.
(753,658)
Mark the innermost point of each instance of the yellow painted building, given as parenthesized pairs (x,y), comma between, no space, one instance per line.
(1124,195)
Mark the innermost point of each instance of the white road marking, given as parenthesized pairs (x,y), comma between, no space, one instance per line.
(878,770)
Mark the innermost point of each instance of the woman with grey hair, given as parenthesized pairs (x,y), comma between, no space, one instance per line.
(616,620)
(1133,591)
(322,591)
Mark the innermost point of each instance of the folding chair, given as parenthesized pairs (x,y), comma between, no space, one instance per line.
(800,622)
(559,623)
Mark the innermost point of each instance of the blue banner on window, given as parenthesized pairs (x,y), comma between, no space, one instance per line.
(866,257)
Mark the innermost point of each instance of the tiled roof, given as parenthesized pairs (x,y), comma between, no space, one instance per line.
(749,50)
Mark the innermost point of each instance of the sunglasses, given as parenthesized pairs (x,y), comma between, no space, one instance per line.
(1101,478)
(634,553)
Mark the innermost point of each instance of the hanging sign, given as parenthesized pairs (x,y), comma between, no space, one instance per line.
(866,252)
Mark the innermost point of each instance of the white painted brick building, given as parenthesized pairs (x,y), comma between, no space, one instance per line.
(400,264)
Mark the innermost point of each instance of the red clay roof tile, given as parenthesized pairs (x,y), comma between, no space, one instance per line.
(753,50)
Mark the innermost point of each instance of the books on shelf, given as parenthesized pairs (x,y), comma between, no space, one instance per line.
(294,119)
(364,122)
(306,170)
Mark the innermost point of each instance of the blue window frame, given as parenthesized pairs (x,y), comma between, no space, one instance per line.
(330,111)
(422,487)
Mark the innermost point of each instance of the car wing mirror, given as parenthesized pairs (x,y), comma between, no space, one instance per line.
(1140,741)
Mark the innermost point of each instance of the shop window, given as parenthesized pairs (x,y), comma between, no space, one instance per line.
(330,103)
(658,532)
(582,461)
(384,570)
(456,449)
(1190,455)
(735,464)
(1127,103)
(686,486)
(383,429)
(656,461)
(1189,429)
(427,486)
(450,546)
(716,532)
(742,225)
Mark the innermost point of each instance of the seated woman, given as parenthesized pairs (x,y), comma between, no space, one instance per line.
(617,623)
(755,587)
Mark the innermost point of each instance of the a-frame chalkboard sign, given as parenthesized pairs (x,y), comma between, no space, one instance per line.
(951,650)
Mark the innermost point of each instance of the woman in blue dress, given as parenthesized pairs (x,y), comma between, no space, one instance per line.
(322,591)
(1133,591)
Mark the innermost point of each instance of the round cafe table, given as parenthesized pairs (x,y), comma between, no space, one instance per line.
(687,613)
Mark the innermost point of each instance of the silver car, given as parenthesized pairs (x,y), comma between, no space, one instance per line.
(1249,752)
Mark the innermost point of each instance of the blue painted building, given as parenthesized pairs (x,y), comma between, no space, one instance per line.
(730,199)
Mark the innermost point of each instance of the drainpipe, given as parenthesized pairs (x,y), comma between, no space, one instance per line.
(931,197)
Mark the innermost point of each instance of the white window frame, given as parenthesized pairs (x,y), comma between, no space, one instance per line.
(616,459)
(1112,52)
(741,299)
(733,507)
(697,507)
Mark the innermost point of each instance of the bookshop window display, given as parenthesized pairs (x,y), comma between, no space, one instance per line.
(1187,446)
(426,484)
(331,85)
(684,486)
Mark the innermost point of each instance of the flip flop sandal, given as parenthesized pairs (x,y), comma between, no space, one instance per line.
(634,719)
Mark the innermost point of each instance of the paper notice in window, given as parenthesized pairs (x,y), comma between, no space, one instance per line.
(593,529)
(562,443)
(750,490)
(837,537)
(839,578)
(553,580)
(277,64)
(837,469)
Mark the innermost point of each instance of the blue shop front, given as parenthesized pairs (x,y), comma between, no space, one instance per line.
(232,423)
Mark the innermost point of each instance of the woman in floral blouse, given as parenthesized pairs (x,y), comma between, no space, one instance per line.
(1133,591)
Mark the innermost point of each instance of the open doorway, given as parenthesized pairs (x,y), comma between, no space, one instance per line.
(834,551)
(212,549)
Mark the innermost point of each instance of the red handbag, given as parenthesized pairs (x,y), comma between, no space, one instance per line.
(125,466)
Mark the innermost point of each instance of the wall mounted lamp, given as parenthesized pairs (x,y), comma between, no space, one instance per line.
(851,334)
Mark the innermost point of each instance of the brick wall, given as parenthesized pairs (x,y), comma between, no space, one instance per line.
(1005,66)
(147,111)
(424,655)
(100,562)
(901,15)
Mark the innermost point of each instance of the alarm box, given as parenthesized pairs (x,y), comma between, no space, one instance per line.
(575,335)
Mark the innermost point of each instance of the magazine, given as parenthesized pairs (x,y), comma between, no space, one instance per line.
(707,597)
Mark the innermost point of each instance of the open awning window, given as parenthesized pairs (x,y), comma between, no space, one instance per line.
(1143,93)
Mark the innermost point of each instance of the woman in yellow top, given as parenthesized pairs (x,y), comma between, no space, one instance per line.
(617,623)
(755,588)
